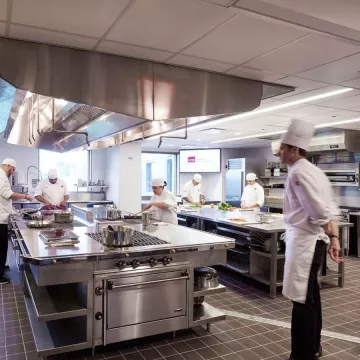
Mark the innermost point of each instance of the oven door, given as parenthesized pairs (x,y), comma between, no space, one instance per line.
(146,304)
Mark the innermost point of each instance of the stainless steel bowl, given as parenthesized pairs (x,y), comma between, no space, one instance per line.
(63,217)
(39,224)
(205,278)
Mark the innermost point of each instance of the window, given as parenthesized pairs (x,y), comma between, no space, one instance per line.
(158,166)
(70,166)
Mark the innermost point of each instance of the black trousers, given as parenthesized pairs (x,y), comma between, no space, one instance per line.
(306,321)
(3,247)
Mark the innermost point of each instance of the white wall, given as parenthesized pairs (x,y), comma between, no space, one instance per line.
(24,157)
(112,174)
(98,165)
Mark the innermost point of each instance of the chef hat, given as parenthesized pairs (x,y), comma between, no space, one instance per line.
(299,134)
(158,182)
(251,176)
(9,161)
(197,178)
(52,173)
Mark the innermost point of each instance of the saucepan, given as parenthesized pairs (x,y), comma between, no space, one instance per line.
(63,217)
(205,278)
(118,235)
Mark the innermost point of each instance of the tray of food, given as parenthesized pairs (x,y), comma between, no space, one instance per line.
(58,235)
(243,221)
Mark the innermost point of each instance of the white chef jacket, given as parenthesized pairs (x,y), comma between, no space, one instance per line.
(253,194)
(166,215)
(5,201)
(192,191)
(308,199)
(54,193)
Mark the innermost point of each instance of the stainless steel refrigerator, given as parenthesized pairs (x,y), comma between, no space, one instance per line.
(234,181)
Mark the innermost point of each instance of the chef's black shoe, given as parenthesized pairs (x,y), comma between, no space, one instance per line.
(4,281)
(6,268)
(320,353)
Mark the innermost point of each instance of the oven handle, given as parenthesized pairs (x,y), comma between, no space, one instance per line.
(111,285)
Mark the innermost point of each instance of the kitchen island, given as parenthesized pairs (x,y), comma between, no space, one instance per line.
(259,246)
(88,294)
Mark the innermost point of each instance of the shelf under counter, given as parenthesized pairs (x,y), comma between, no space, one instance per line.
(211,291)
(54,302)
(206,314)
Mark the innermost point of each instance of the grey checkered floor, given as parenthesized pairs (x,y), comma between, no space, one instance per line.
(257,327)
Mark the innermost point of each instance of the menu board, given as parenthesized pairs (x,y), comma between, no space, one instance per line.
(200,161)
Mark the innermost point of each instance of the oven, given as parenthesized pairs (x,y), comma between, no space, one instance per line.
(141,302)
(343,177)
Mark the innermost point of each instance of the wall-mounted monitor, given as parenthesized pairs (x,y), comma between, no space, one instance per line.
(200,161)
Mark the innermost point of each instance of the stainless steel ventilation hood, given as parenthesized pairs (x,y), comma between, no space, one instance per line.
(335,140)
(113,99)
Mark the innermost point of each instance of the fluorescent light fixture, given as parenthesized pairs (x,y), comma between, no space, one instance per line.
(198,140)
(251,136)
(337,123)
(258,112)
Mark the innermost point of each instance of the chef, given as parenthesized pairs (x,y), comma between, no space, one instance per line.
(310,217)
(162,204)
(6,196)
(253,195)
(192,190)
(52,191)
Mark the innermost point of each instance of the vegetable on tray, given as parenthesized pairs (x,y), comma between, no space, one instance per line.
(224,206)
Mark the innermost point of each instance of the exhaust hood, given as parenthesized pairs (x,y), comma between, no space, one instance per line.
(59,95)
(336,140)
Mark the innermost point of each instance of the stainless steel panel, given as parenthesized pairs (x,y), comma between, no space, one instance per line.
(234,186)
(145,329)
(146,302)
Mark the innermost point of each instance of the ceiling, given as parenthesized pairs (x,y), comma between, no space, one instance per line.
(312,45)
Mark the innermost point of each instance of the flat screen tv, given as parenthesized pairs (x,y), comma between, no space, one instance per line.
(200,161)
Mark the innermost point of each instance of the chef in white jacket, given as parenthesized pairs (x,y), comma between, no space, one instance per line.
(310,215)
(162,204)
(192,190)
(52,191)
(7,169)
(253,195)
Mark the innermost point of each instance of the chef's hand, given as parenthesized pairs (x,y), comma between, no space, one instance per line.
(28,197)
(334,250)
(197,204)
(63,203)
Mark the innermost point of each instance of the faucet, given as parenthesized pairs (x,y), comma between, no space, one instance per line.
(27,173)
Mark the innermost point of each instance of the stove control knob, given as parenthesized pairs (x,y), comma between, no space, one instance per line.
(166,260)
(98,316)
(135,263)
(152,262)
(121,265)
(99,290)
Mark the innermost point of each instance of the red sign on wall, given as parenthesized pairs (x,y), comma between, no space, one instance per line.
(191,159)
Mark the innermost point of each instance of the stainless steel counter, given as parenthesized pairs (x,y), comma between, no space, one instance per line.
(177,237)
(222,217)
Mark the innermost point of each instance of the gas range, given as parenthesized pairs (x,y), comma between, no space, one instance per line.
(138,239)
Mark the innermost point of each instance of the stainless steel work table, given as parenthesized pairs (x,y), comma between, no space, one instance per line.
(274,229)
(69,290)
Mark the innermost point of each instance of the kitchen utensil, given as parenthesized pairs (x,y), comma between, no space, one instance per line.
(39,224)
(113,214)
(108,236)
(122,235)
(198,300)
(146,218)
(205,278)
(267,245)
(58,232)
(264,217)
(63,217)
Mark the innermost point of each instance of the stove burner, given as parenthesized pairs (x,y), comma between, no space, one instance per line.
(138,239)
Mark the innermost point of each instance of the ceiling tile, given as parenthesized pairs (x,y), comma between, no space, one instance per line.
(242,38)
(335,72)
(133,51)
(84,17)
(3,9)
(219,2)
(347,103)
(168,25)
(343,12)
(306,111)
(301,85)
(254,74)
(354,83)
(198,63)
(334,116)
(51,37)
(303,54)
(2,28)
